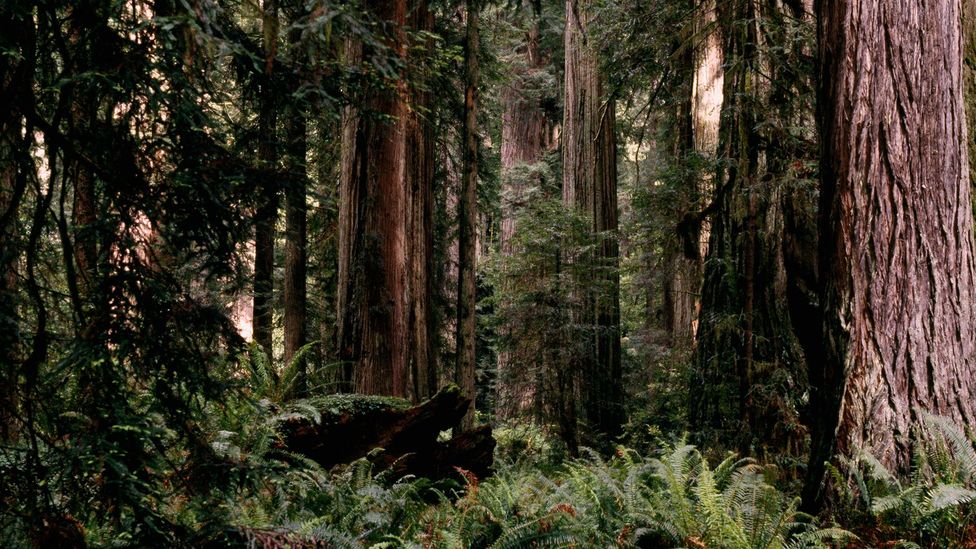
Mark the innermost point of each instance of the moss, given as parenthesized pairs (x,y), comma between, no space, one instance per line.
(335,406)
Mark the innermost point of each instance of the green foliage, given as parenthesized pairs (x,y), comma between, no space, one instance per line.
(932,506)
(662,407)
(674,500)
(536,288)
(526,444)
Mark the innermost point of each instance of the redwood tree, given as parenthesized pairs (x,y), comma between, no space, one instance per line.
(746,344)
(590,185)
(468,217)
(384,333)
(525,138)
(896,238)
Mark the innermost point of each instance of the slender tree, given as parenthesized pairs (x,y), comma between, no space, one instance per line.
(590,186)
(83,22)
(896,234)
(266,216)
(296,209)
(468,216)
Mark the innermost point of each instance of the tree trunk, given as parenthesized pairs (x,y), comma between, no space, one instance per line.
(590,186)
(84,112)
(682,261)
(969,72)
(296,244)
(16,74)
(696,133)
(420,148)
(296,212)
(746,341)
(526,135)
(266,216)
(468,220)
(385,239)
(896,236)
(706,101)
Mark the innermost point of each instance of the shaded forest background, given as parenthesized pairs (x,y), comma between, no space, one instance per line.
(621,228)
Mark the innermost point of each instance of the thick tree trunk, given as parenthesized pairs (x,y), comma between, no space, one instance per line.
(266,216)
(706,104)
(526,135)
(969,72)
(896,230)
(682,256)
(420,148)
(468,219)
(697,131)
(384,329)
(746,339)
(706,101)
(590,186)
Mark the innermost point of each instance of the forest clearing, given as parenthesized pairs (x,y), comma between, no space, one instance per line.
(487,274)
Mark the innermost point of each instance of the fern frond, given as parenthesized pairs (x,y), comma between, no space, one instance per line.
(943,496)
(962,448)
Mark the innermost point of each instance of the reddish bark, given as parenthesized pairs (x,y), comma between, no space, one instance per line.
(590,186)
(384,330)
(896,229)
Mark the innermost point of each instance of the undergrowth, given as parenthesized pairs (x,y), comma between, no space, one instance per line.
(930,507)
(538,498)
(673,499)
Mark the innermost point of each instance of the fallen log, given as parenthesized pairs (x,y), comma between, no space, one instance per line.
(391,434)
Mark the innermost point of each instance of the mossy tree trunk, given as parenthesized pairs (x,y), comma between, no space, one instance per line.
(748,366)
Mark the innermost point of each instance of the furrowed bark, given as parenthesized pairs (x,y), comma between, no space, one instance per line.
(590,186)
(384,331)
(746,338)
(896,238)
